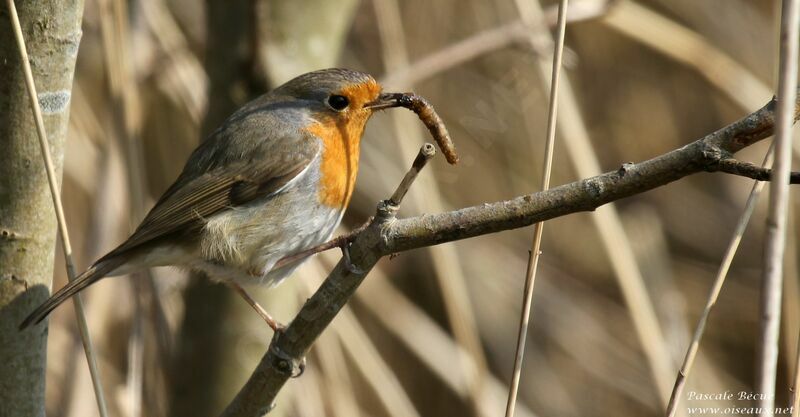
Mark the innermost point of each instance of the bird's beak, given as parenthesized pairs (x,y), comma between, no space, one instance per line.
(387,100)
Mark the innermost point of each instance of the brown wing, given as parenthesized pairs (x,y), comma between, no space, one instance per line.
(183,208)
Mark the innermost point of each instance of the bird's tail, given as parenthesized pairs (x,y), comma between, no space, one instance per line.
(87,278)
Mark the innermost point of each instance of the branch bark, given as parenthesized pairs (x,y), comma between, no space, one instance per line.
(52,30)
(752,171)
(387,235)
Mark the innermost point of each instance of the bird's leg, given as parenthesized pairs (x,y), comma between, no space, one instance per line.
(274,324)
(298,367)
(337,242)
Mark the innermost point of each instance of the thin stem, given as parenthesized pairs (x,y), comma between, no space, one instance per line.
(607,220)
(775,239)
(59,209)
(746,169)
(426,152)
(719,280)
(533,258)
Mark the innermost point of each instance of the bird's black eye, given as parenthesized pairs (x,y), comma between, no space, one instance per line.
(338,102)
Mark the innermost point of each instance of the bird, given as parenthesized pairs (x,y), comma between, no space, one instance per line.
(273,180)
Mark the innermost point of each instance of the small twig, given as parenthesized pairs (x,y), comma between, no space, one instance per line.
(775,237)
(533,258)
(52,181)
(719,280)
(426,152)
(749,170)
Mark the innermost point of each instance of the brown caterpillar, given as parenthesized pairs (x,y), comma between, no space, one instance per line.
(432,121)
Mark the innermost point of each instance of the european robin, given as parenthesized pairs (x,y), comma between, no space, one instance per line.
(272,181)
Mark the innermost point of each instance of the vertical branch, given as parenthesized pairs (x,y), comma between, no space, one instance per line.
(533,257)
(775,239)
(23,370)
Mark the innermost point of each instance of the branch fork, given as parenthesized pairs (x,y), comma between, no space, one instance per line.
(719,160)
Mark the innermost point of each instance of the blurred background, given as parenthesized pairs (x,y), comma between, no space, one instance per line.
(431,332)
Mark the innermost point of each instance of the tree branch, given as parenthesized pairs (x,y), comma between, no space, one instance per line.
(51,31)
(386,235)
(750,170)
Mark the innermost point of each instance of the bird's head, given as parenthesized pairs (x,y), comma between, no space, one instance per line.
(337,95)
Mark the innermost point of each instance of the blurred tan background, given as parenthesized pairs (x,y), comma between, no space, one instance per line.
(431,332)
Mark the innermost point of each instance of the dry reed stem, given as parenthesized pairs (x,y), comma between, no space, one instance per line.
(534,255)
(775,234)
(606,219)
(719,281)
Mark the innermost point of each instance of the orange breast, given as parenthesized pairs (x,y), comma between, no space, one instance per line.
(341,139)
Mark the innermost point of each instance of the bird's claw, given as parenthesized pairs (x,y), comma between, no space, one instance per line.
(284,362)
(348,263)
(301,368)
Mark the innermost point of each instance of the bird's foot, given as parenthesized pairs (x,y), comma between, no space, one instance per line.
(301,368)
(285,362)
(348,262)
